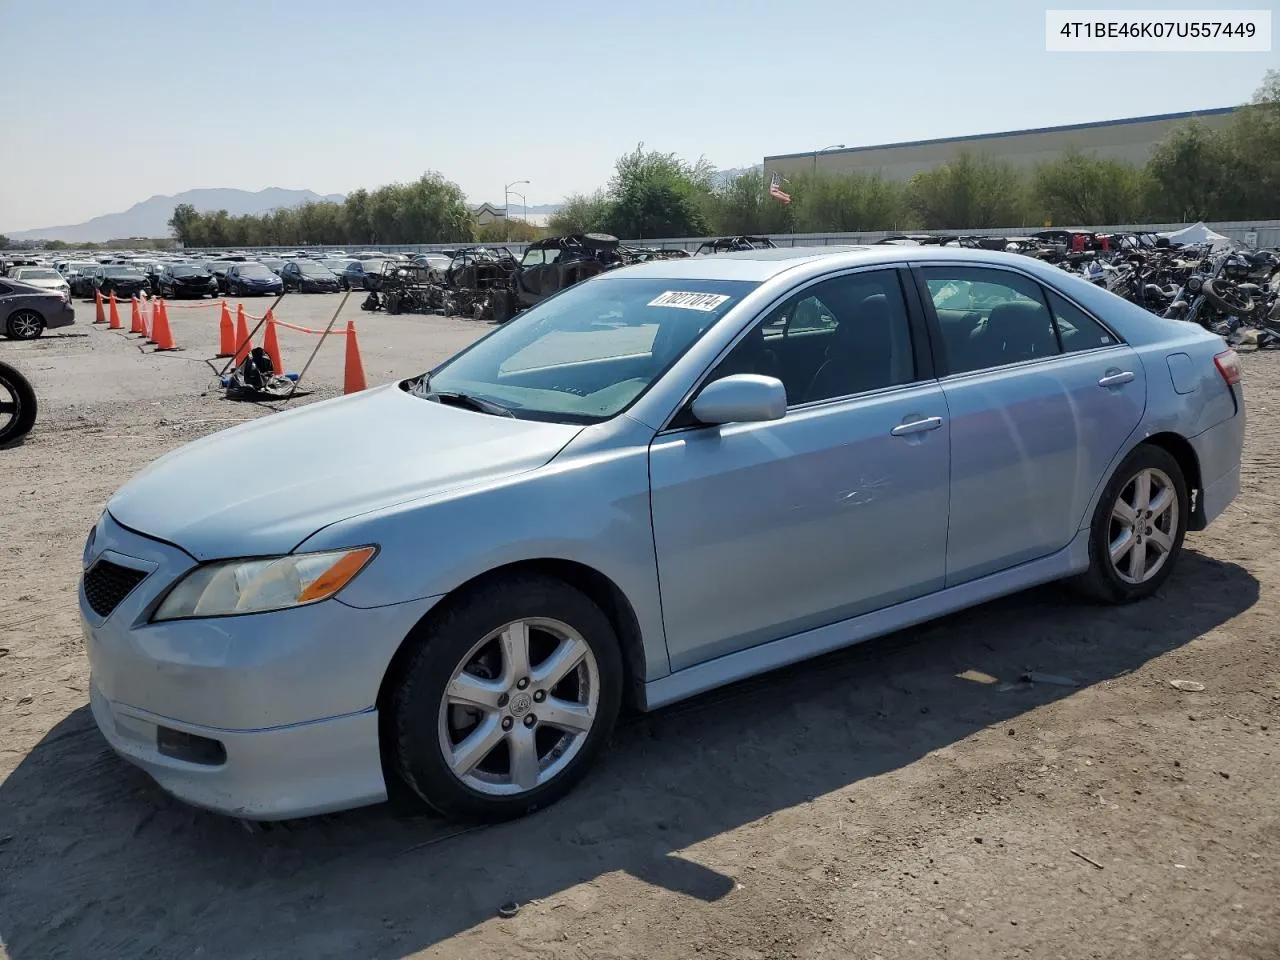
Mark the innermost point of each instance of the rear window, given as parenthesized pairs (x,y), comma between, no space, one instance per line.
(190,270)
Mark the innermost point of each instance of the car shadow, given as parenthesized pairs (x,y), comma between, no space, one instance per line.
(96,861)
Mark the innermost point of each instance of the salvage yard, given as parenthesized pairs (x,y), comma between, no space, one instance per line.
(911,797)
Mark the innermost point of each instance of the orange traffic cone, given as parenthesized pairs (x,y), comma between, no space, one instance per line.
(97,303)
(115,314)
(353,377)
(160,331)
(243,346)
(226,333)
(272,346)
(135,317)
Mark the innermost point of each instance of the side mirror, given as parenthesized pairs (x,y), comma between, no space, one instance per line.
(741,398)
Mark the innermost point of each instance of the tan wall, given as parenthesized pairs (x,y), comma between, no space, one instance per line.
(1131,141)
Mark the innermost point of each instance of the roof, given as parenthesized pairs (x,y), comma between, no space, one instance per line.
(762,265)
(1186,115)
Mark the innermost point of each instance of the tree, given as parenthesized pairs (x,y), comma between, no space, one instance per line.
(1082,190)
(846,202)
(501,230)
(581,213)
(968,191)
(4,242)
(742,205)
(656,194)
(186,223)
(1187,174)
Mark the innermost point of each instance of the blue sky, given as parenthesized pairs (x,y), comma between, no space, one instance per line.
(333,94)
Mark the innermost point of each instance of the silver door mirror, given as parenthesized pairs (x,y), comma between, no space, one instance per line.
(741,398)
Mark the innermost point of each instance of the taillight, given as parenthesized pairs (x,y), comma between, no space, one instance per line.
(1228,364)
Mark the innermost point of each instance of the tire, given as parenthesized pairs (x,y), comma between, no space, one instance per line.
(1113,581)
(24,325)
(466,634)
(17,405)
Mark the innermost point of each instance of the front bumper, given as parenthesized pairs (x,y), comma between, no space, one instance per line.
(289,695)
(276,774)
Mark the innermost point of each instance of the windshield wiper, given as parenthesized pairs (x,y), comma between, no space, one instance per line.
(470,400)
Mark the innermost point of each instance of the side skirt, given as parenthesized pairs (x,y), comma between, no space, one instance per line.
(691,681)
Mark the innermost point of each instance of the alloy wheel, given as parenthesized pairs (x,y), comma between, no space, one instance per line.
(25,325)
(1144,526)
(519,707)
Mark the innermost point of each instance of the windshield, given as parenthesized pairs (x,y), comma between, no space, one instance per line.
(38,273)
(255,271)
(588,353)
(82,267)
(309,269)
(271,262)
(336,264)
(115,271)
(190,270)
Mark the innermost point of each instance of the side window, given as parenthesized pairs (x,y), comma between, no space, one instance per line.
(1076,329)
(851,336)
(989,318)
(532,258)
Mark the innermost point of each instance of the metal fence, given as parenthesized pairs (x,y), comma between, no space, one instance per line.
(1254,233)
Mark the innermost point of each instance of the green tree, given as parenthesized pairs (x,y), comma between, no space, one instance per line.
(1081,189)
(1188,174)
(1250,153)
(968,191)
(846,202)
(186,224)
(742,205)
(656,194)
(4,242)
(581,213)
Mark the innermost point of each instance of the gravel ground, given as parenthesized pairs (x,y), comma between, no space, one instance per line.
(906,798)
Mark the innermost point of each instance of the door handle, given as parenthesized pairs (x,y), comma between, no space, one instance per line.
(1116,379)
(916,426)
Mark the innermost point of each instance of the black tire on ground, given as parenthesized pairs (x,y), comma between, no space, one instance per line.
(17,405)
(436,650)
(24,325)
(1103,580)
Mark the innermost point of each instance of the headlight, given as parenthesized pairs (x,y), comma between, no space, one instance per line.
(234,587)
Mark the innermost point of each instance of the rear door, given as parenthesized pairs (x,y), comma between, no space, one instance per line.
(1041,396)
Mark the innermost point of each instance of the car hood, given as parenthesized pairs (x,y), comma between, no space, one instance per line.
(264,487)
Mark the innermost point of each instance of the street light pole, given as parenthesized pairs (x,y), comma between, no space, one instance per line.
(506,219)
(834,146)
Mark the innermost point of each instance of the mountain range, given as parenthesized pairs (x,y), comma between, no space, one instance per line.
(150,218)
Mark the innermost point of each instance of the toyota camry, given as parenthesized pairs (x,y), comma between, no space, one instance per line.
(667,478)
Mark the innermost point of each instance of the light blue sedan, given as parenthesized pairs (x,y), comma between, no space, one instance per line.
(664,479)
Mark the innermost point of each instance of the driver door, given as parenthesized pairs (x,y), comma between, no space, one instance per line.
(764,530)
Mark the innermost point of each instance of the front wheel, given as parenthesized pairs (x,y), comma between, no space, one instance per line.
(506,699)
(1138,527)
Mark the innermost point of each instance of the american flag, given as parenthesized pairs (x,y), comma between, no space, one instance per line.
(776,191)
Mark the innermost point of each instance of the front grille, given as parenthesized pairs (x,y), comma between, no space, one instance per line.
(107,583)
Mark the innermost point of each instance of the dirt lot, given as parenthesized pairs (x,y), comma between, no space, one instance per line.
(907,798)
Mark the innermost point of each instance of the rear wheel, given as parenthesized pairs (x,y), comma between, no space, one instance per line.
(24,325)
(1138,527)
(506,699)
(17,405)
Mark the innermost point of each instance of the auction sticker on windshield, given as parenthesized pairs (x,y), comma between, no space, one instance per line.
(706,302)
